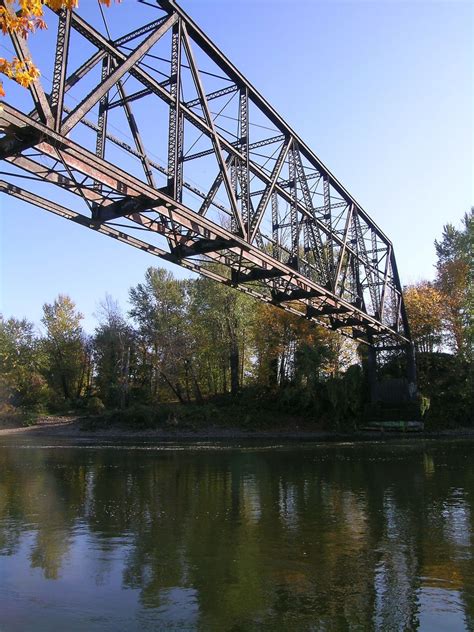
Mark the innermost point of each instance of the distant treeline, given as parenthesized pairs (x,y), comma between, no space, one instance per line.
(196,341)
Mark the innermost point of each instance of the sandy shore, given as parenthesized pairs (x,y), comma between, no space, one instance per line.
(71,427)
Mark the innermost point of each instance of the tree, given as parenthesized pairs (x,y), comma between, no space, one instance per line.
(21,383)
(290,348)
(454,281)
(24,17)
(68,360)
(222,320)
(425,307)
(159,310)
(209,335)
(114,355)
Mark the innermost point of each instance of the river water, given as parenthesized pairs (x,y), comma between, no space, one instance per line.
(373,536)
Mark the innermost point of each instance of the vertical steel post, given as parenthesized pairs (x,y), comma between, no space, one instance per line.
(176,121)
(244,172)
(102,118)
(275,227)
(329,242)
(103,108)
(60,67)
(233,180)
(294,227)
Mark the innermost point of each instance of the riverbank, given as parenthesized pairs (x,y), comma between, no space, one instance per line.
(91,429)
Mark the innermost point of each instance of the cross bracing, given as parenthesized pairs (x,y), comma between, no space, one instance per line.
(154,138)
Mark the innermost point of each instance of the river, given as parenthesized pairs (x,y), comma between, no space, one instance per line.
(368,536)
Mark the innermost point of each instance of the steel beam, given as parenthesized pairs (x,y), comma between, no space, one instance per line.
(322,260)
(96,95)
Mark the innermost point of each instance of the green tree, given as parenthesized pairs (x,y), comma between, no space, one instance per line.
(68,361)
(159,311)
(454,280)
(222,320)
(114,355)
(21,383)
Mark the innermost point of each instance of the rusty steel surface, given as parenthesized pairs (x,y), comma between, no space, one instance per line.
(239,198)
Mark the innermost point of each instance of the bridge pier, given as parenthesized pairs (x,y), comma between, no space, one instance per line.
(389,390)
(372,373)
(394,402)
(411,371)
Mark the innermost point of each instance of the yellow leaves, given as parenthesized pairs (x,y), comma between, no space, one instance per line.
(425,307)
(22,20)
(25,17)
(31,7)
(72,4)
(61,4)
(23,72)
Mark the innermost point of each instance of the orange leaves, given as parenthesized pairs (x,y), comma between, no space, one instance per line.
(23,72)
(23,20)
(61,4)
(25,17)
(425,307)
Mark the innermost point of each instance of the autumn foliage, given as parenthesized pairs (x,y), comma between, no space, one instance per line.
(425,305)
(24,17)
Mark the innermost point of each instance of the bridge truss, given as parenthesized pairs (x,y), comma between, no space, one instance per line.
(239,197)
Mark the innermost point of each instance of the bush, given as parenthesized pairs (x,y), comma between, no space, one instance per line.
(95,406)
(446,380)
(31,393)
(140,416)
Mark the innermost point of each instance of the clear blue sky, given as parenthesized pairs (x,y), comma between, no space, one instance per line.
(382,91)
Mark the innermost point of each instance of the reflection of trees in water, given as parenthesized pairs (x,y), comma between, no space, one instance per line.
(40,499)
(337,536)
(397,576)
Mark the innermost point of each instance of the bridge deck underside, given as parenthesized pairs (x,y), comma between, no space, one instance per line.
(240,199)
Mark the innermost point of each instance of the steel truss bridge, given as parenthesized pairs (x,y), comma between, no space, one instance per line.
(239,197)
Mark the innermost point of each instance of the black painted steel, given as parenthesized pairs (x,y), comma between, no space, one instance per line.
(240,198)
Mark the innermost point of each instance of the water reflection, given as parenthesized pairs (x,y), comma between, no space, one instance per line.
(309,538)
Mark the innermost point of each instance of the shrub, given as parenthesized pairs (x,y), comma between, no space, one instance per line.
(138,416)
(95,406)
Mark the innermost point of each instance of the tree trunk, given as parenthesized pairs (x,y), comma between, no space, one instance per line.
(197,391)
(282,376)
(125,379)
(176,389)
(80,381)
(224,379)
(273,377)
(186,380)
(65,385)
(234,367)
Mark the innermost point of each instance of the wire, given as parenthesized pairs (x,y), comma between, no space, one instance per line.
(271,129)
(104,20)
(215,116)
(168,61)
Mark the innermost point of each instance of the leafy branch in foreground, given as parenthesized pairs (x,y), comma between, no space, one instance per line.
(24,17)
